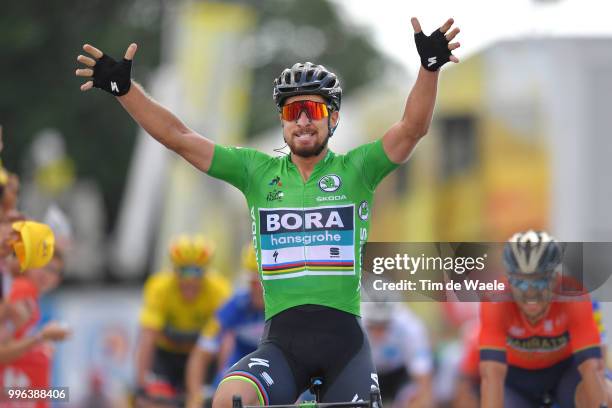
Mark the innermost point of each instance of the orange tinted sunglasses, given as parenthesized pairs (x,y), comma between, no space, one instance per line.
(314,110)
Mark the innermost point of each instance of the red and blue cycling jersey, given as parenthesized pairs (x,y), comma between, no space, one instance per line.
(567,330)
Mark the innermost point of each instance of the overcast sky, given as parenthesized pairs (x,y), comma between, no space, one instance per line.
(482,22)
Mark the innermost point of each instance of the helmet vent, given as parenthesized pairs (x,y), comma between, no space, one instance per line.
(309,87)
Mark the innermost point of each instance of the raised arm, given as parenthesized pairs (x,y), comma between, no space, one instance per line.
(114,77)
(435,51)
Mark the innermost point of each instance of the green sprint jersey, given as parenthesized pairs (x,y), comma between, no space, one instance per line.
(307,235)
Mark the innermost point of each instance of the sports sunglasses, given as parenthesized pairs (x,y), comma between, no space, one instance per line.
(524,284)
(314,110)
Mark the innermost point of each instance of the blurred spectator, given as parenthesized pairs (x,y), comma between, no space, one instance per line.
(27,253)
(7,236)
(9,186)
(50,180)
(25,353)
(241,322)
(10,190)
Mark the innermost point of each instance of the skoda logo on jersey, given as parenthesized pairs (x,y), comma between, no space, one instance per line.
(364,210)
(330,183)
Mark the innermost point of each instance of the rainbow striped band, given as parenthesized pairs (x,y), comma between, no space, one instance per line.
(249,378)
(314,265)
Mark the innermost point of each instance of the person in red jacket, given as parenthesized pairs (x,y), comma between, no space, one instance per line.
(25,353)
(538,347)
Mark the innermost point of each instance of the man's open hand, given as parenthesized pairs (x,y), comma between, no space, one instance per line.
(436,49)
(106,73)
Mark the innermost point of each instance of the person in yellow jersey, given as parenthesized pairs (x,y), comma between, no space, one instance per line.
(178,308)
(241,321)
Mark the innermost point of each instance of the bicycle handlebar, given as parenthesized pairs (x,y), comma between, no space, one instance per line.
(357,404)
(373,402)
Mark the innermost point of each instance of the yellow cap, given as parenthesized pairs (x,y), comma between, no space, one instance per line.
(35,246)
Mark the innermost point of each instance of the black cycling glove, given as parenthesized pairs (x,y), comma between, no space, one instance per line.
(112,76)
(432,49)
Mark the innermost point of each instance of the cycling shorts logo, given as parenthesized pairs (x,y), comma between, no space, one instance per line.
(259,362)
(330,183)
(364,210)
(267,378)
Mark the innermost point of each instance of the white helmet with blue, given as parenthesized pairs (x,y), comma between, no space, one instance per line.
(532,253)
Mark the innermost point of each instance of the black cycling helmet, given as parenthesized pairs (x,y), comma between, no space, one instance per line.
(532,252)
(307,79)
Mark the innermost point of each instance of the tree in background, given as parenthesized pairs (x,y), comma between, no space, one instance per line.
(39,41)
(293,31)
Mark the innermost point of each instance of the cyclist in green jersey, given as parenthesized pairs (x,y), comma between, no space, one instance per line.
(310,216)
